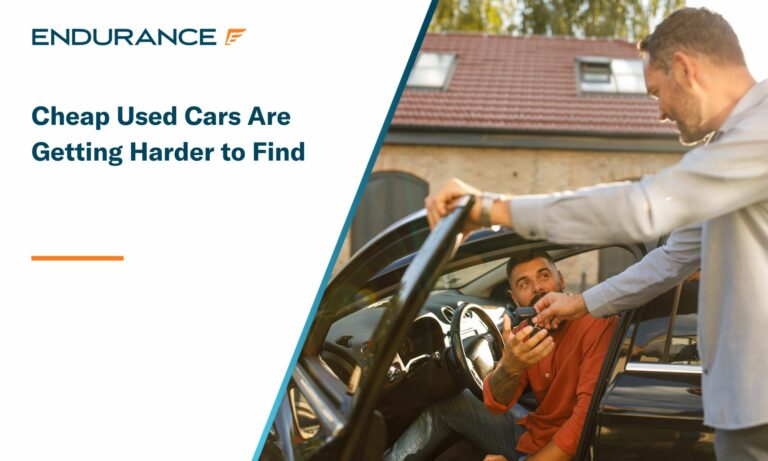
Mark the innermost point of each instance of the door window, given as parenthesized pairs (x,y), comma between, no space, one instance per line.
(666,330)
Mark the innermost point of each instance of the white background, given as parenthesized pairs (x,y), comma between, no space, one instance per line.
(177,352)
(747,18)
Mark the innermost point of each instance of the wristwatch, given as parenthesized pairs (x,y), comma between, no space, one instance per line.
(487,199)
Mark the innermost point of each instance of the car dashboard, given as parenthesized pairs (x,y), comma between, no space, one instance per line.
(419,366)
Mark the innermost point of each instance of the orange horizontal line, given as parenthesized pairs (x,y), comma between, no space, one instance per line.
(78,258)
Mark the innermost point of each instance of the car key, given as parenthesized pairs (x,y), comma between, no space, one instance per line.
(535,330)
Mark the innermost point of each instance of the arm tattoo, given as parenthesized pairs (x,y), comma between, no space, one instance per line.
(503,385)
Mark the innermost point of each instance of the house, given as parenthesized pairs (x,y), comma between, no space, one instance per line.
(514,114)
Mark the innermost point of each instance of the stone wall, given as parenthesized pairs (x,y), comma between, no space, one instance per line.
(515,171)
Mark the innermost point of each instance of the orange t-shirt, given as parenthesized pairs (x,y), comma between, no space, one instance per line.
(563,382)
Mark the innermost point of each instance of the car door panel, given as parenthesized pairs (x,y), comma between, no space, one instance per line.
(653,416)
(653,408)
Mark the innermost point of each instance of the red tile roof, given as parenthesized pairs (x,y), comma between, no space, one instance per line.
(526,84)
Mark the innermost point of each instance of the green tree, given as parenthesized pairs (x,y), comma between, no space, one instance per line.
(473,16)
(627,19)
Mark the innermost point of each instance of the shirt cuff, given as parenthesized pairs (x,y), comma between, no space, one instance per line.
(526,214)
(597,302)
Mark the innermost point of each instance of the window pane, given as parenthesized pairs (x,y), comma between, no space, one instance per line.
(652,330)
(651,338)
(682,349)
(617,76)
(628,74)
(630,84)
(461,277)
(627,67)
(585,270)
(595,72)
(431,70)
(580,271)
(613,261)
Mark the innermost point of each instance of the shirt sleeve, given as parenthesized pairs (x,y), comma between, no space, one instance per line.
(595,347)
(495,407)
(657,272)
(709,181)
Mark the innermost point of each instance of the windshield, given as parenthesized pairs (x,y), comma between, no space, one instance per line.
(462,277)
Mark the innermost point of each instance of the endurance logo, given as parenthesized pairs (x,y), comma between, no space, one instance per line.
(130,37)
(232,35)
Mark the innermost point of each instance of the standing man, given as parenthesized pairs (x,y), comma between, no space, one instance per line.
(715,200)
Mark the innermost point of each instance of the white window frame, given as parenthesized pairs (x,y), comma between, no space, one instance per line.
(423,71)
(625,77)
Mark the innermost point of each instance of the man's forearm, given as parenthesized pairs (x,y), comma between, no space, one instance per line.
(550,452)
(657,272)
(503,385)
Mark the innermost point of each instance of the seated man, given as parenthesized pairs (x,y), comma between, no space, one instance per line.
(561,366)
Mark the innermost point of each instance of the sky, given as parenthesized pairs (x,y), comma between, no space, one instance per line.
(748,19)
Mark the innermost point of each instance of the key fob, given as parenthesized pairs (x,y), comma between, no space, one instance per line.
(535,330)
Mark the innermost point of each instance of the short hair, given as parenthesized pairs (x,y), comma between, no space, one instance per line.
(524,257)
(697,31)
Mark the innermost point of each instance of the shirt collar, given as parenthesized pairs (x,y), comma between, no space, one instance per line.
(756,95)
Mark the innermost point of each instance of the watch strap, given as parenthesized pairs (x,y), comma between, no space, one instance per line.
(487,200)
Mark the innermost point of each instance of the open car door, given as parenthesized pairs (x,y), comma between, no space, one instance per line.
(320,416)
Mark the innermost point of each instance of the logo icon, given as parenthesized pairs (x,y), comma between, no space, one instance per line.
(233,35)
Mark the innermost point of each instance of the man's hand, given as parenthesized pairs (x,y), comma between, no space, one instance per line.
(556,307)
(495,458)
(444,201)
(550,452)
(521,352)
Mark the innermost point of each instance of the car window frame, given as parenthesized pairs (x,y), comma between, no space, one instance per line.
(664,365)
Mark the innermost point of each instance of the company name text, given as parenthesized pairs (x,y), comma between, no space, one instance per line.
(124,37)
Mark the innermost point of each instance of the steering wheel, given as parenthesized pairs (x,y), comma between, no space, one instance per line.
(479,357)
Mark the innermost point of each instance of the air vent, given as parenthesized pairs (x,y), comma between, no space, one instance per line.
(448,313)
(345,341)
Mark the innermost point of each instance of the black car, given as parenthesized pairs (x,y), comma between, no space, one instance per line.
(390,326)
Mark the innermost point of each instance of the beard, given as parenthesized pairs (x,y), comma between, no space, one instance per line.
(689,119)
(537,297)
